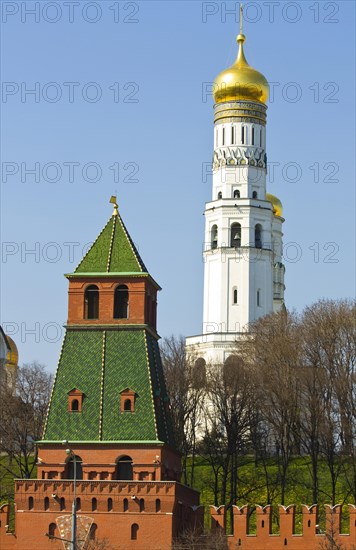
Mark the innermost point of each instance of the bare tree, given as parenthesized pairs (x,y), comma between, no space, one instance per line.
(312,383)
(330,352)
(185,379)
(23,415)
(228,396)
(273,355)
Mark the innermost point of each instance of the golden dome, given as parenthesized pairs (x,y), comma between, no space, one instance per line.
(276,204)
(12,357)
(240,81)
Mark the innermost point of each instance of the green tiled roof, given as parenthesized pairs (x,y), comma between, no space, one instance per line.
(112,252)
(101,363)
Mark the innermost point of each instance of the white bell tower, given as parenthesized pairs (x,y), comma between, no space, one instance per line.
(244,274)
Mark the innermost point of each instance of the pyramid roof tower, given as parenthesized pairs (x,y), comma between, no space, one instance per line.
(105,358)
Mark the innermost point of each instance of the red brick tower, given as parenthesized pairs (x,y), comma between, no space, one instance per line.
(109,402)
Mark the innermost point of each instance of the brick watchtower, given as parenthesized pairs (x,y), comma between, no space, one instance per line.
(109,401)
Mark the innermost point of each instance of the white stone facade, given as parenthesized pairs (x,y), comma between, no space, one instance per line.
(244,274)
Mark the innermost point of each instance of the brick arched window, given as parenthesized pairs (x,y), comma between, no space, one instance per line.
(91,302)
(62,503)
(75,405)
(158,504)
(124,470)
(126,504)
(46,503)
(121,302)
(94,504)
(52,529)
(77,467)
(30,503)
(109,504)
(134,531)
(93,530)
(142,504)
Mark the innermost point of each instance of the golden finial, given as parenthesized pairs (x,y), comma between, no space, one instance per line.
(241,37)
(116,206)
(241,59)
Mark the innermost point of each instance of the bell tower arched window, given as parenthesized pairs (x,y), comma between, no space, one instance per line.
(91,302)
(214,236)
(258,236)
(121,302)
(236,194)
(235,235)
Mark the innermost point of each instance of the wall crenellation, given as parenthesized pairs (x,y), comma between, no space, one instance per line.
(311,538)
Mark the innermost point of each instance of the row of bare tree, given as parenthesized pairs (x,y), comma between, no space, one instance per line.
(288,390)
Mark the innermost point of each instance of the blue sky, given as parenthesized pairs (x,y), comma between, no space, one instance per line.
(119,107)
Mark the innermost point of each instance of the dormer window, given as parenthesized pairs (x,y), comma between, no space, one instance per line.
(128,398)
(75,400)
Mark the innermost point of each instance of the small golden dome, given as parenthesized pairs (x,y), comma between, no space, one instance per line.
(12,357)
(240,81)
(276,204)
